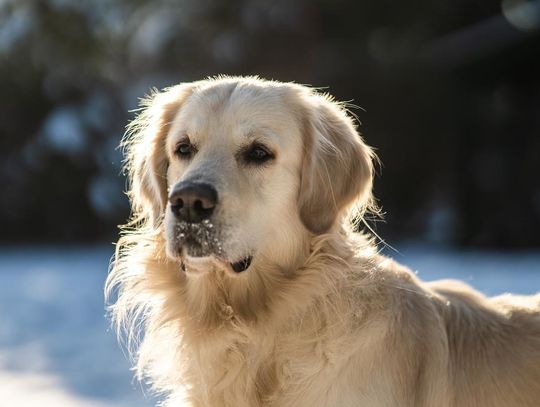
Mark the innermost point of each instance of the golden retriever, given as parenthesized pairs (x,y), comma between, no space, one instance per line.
(242,272)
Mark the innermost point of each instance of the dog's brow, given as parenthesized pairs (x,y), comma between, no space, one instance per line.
(262,134)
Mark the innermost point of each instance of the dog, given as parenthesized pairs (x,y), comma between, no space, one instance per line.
(240,280)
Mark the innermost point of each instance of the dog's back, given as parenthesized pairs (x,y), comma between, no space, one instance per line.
(493,346)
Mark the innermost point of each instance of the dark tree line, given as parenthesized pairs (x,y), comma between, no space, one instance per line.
(450,92)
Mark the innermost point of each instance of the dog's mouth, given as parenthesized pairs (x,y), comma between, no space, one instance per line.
(242,265)
(198,239)
(200,242)
(190,263)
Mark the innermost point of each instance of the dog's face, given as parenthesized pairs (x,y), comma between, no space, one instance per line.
(240,171)
(234,163)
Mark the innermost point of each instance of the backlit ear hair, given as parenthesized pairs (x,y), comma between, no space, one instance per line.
(146,159)
(337,170)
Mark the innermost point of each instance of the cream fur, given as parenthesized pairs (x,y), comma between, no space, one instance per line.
(320,318)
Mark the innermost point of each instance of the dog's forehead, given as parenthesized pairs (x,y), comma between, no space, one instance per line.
(238,110)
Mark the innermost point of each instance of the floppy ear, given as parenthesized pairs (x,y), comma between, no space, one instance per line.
(146,159)
(337,170)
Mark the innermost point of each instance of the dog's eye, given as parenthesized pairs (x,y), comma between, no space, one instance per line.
(184,149)
(257,154)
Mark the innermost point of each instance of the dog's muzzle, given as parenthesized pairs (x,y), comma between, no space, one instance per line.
(192,204)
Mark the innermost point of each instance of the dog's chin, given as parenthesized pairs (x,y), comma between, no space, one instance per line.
(200,265)
(195,262)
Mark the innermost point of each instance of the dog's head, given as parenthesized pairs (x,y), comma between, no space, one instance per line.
(236,171)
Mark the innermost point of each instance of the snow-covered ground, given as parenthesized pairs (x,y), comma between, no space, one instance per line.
(56,348)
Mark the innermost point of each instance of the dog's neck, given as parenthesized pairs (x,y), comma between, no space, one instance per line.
(266,294)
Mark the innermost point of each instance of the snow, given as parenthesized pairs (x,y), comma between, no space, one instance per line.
(492,272)
(31,389)
(57,348)
(53,330)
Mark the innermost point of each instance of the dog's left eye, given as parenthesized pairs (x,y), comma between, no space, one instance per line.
(257,154)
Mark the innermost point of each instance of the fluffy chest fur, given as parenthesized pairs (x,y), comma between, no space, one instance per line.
(300,364)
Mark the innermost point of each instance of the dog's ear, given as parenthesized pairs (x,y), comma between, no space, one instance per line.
(337,168)
(146,159)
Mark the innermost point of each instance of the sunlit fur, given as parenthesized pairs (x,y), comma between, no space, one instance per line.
(320,318)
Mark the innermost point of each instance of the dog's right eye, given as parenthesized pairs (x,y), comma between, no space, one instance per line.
(257,154)
(184,149)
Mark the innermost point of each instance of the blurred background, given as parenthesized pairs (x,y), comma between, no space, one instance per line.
(448,94)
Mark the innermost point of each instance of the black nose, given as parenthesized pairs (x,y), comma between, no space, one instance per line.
(193,201)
